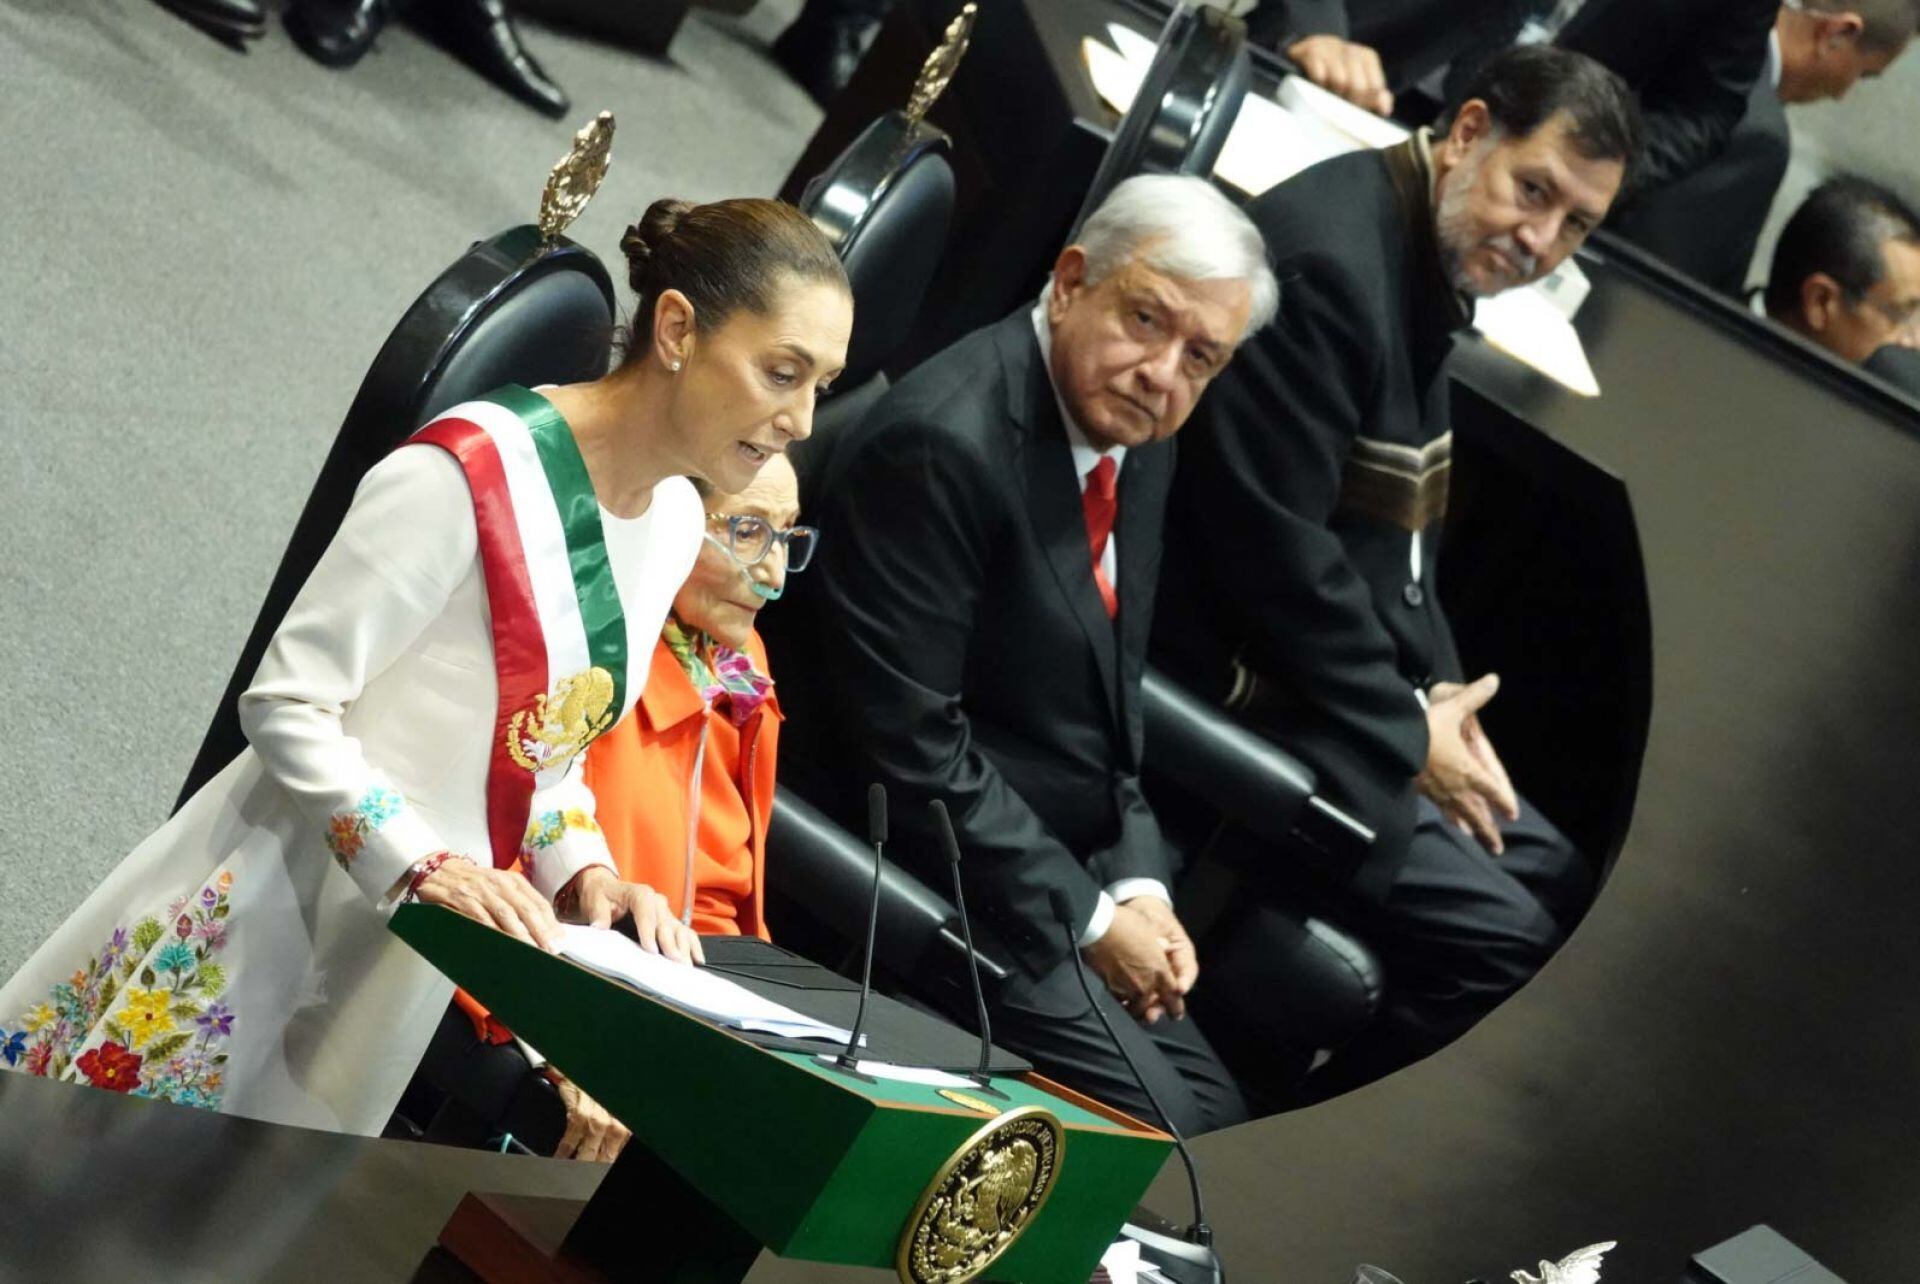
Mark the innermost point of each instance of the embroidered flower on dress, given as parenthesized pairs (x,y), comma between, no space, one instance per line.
(217,1019)
(549,827)
(88,1027)
(112,1067)
(176,957)
(146,1015)
(348,831)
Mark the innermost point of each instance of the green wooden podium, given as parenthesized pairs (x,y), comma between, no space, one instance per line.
(737,1147)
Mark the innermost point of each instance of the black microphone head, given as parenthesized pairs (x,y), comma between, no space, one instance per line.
(876,813)
(1062,909)
(944,824)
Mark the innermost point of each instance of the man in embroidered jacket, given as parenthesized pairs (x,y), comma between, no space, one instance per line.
(1299,580)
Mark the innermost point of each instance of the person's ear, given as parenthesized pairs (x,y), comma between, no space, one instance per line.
(1838,30)
(673,329)
(1821,299)
(1069,278)
(1471,123)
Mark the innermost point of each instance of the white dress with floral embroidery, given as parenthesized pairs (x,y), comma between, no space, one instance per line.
(239,958)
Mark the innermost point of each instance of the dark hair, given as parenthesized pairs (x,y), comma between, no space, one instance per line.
(1838,230)
(724,256)
(1528,85)
(1886,25)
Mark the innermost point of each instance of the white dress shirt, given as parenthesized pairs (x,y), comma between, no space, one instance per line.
(1085,456)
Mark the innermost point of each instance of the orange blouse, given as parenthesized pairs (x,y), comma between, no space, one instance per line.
(641,774)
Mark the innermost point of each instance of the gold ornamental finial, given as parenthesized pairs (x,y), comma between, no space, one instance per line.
(937,72)
(576,178)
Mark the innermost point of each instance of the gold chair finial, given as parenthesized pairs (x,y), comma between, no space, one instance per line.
(576,178)
(937,72)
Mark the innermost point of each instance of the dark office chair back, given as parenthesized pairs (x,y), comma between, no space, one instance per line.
(506,311)
(886,203)
(1186,105)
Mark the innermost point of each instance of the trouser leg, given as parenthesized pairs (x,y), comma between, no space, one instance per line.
(1457,933)
(1047,1020)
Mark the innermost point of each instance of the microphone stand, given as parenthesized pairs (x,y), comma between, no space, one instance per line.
(981,1078)
(1189,1259)
(848,1061)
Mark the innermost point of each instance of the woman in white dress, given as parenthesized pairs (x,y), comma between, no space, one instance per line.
(415,729)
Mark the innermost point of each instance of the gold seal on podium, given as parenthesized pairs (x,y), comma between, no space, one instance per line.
(982,1198)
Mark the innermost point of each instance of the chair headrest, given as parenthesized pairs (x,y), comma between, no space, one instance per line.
(1186,105)
(885,203)
(504,312)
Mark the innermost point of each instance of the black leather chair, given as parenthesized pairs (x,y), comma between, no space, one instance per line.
(886,203)
(1186,106)
(1304,985)
(508,310)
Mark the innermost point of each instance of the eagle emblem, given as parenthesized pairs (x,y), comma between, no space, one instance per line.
(982,1198)
(560,725)
(1580,1267)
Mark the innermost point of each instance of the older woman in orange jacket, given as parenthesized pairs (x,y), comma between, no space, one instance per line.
(685,783)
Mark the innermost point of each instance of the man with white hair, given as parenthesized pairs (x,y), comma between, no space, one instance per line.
(979,621)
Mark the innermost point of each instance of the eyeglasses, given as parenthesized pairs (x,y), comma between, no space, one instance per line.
(750,539)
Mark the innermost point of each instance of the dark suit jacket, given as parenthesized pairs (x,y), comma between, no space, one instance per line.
(1708,222)
(1693,62)
(1898,366)
(1287,582)
(958,648)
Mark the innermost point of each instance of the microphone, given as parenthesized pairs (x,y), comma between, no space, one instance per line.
(849,1059)
(1194,1251)
(951,846)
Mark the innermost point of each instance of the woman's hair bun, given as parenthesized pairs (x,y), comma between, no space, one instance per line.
(643,240)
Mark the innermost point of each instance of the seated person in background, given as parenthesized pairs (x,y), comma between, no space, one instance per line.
(709,707)
(1846,271)
(981,620)
(1368,50)
(1707,222)
(1299,580)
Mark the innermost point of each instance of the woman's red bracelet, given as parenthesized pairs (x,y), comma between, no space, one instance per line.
(425,870)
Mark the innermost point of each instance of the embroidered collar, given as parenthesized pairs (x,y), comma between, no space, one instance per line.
(726,679)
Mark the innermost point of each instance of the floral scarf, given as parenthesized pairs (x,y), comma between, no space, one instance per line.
(725,679)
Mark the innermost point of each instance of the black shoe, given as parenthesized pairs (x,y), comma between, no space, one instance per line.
(821,50)
(481,33)
(238,19)
(336,33)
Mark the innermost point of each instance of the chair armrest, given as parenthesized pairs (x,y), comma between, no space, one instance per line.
(1246,777)
(830,873)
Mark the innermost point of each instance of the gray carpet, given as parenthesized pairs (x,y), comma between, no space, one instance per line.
(200,252)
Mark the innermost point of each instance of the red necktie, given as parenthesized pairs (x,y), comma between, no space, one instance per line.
(1099,502)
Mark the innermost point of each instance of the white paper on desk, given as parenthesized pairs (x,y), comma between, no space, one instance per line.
(710,994)
(925,1075)
(1122,1260)
(1526,326)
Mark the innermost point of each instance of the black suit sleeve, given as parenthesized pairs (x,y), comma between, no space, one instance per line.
(915,531)
(1696,96)
(1274,435)
(1278,23)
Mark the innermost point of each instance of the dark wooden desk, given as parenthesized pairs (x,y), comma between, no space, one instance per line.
(95,1186)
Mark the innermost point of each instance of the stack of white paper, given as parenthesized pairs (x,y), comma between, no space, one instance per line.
(696,989)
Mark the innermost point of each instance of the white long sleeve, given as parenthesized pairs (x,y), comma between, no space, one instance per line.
(405,544)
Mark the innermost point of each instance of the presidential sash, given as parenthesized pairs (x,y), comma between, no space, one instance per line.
(559,634)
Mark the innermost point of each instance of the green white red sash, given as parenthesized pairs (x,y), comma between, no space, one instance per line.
(559,634)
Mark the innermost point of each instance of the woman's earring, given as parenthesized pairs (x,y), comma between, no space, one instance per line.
(674,366)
